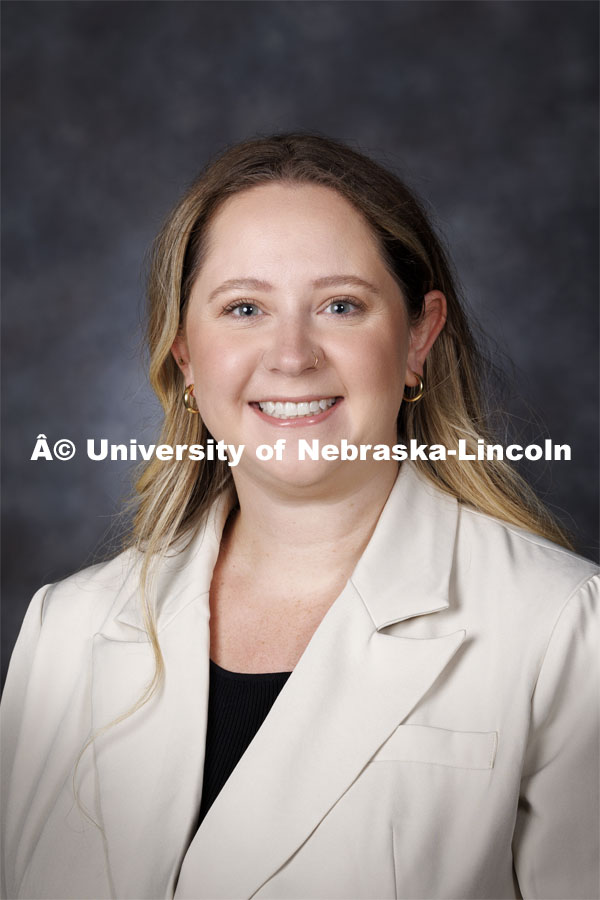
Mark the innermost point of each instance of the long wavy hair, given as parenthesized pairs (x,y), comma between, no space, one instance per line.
(174,498)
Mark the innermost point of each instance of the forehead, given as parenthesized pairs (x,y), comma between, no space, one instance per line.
(295,227)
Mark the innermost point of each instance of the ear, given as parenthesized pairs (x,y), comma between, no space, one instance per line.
(424,333)
(180,351)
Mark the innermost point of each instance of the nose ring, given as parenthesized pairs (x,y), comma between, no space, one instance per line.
(316,362)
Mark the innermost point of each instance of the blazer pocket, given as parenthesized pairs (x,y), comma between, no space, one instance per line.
(440,747)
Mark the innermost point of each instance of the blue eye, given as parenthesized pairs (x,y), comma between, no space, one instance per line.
(342,307)
(242,310)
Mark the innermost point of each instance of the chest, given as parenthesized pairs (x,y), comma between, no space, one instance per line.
(254,632)
(332,749)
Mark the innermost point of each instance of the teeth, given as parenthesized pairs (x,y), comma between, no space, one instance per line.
(289,410)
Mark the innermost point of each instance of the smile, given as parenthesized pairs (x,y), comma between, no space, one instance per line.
(289,410)
(293,413)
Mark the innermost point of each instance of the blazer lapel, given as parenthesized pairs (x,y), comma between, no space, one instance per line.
(353,686)
(149,766)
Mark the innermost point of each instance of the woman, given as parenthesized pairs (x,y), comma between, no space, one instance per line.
(436,735)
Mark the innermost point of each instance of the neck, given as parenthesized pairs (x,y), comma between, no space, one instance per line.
(307,537)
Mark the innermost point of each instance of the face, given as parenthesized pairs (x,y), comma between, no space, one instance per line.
(295,329)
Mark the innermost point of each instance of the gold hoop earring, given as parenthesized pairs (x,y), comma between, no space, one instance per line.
(188,399)
(419,393)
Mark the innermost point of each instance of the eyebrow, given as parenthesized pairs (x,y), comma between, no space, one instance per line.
(341,280)
(240,284)
(326,282)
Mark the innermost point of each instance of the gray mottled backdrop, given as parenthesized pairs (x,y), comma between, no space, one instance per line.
(110,108)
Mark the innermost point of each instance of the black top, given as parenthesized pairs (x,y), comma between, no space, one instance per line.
(238,704)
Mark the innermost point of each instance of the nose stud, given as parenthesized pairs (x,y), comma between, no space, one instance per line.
(316,361)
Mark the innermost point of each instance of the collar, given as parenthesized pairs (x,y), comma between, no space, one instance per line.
(182,576)
(403,572)
(406,567)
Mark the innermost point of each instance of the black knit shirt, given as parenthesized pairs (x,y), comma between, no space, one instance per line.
(238,704)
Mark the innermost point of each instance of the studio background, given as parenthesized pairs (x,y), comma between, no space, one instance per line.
(489,109)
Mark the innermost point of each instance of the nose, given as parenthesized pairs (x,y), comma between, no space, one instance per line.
(291,350)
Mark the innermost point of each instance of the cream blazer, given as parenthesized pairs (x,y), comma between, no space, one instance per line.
(437,739)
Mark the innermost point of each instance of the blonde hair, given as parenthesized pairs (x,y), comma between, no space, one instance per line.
(174,498)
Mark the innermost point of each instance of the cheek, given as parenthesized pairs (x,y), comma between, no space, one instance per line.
(220,373)
(219,366)
(379,361)
(382,373)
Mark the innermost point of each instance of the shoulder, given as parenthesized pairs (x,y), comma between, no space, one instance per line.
(521,567)
(529,606)
(517,549)
(89,597)
(54,640)
(93,598)
(480,549)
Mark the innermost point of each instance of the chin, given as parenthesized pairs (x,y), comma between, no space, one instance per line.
(297,476)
